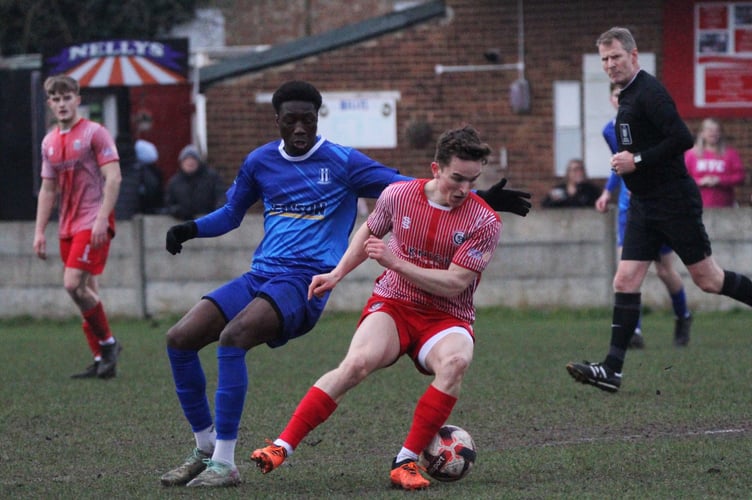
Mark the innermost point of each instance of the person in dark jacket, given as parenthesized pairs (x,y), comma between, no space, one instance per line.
(150,194)
(575,191)
(196,189)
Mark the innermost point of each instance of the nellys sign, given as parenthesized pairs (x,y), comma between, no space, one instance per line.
(130,63)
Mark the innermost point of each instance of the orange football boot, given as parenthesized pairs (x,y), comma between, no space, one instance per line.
(406,475)
(269,457)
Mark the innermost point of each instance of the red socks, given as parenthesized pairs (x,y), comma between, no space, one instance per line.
(92,340)
(433,409)
(97,319)
(315,407)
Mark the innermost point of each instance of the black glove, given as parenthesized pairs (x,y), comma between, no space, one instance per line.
(506,200)
(179,234)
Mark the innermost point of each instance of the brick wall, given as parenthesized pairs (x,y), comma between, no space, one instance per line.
(261,22)
(557,34)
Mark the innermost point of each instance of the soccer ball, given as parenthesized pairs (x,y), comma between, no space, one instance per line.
(450,455)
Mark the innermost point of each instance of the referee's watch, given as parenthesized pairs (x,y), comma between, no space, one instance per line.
(637,159)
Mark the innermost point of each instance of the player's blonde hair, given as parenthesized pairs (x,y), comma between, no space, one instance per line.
(700,143)
(61,84)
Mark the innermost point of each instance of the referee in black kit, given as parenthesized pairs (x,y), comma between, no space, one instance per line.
(665,206)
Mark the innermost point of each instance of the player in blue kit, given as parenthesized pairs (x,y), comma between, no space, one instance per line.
(310,188)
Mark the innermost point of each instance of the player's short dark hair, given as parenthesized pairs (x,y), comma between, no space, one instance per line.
(296,90)
(464,143)
(60,84)
(623,35)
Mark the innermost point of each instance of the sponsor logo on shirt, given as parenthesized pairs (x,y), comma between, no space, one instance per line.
(426,257)
(299,211)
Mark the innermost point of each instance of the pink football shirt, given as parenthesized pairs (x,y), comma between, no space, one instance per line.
(73,158)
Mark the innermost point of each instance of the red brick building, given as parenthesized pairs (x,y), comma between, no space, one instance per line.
(368,46)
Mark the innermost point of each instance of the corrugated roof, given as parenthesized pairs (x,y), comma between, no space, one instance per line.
(316,44)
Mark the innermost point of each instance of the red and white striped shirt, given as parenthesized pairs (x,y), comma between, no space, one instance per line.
(431,236)
(73,158)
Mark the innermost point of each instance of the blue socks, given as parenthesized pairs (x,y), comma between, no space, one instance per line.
(679,303)
(190,386)
(231,390)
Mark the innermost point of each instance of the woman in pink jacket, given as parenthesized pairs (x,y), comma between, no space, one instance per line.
(715,167)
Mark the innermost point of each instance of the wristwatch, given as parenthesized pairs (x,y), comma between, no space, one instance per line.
(637,159)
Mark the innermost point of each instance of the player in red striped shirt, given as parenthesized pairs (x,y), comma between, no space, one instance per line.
(442,238)
(80,163)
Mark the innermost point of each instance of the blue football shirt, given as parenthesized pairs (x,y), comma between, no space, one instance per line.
(310,203)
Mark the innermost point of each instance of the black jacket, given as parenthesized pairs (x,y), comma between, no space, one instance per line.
(585,196)
(649,124)
(189,196)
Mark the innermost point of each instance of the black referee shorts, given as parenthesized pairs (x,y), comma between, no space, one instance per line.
(674,220)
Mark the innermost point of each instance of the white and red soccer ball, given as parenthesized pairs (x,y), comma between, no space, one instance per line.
(450,455)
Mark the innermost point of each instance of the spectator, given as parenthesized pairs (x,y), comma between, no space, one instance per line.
(195,190)
(126,205)
(575,191)
(150,193)
(715,167)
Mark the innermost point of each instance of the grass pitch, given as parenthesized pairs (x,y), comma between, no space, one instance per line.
(680,426)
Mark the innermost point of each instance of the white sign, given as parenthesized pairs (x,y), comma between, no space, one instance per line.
(360,119)
(357,119)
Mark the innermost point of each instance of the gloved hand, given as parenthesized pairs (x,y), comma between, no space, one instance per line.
(179,234)
(506,200)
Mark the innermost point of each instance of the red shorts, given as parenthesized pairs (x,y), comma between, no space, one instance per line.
(417,328)
(77,252)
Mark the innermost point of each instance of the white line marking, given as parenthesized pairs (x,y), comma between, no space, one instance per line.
(648,435)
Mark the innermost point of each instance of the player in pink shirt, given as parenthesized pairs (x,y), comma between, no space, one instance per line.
(715,167)
(442,238)
(81,171)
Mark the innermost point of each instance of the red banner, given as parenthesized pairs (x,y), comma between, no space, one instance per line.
(715,76)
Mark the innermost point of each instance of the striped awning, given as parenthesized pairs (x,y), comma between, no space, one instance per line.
(129,63)
(130,71)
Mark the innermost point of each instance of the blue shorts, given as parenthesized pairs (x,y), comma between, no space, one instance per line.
(287,293)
